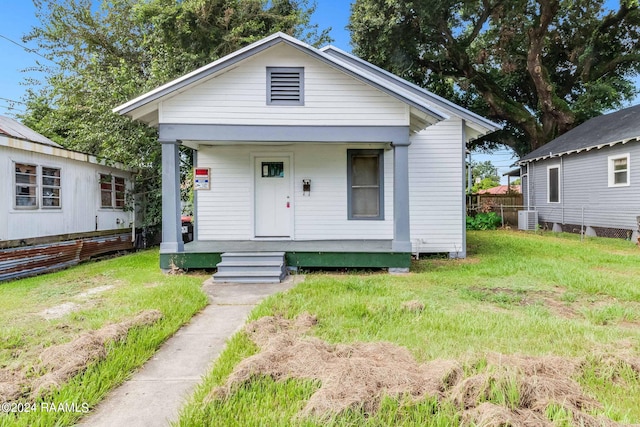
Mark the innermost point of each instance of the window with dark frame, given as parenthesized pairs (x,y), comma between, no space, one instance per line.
(285,86)
(26,186)
(112,191)
(554,185)
(365,172)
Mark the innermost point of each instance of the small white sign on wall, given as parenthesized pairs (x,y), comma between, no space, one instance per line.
(201,178)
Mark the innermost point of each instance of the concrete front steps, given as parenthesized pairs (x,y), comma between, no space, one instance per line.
(251,267)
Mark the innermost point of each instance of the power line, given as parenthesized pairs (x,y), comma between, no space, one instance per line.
(13,101)
(27,49)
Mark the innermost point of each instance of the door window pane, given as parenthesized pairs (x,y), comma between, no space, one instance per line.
(272,169)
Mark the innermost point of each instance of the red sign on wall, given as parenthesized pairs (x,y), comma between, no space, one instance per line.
(201,178)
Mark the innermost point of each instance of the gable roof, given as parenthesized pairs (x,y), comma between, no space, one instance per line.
(15,129)
(434,108)
(607,130)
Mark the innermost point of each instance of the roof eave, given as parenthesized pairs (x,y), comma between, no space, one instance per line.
(578,150)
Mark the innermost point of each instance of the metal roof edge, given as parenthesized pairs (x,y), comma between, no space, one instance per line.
(73,154)
(577,150)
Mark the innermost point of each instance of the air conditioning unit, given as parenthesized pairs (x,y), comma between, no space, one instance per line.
(527,220)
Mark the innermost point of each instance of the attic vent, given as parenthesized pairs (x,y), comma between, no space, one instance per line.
(285,86)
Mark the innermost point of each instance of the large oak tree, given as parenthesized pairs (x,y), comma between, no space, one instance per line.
(540,67)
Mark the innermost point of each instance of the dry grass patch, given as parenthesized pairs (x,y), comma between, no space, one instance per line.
(500,390)
(58,363)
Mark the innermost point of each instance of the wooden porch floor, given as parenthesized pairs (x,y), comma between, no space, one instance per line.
(333,246)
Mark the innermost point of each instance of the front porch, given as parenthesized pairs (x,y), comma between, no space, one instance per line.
(301,253)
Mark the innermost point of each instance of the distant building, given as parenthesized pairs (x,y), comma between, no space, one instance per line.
(51,194)
(587,180)
(501,189)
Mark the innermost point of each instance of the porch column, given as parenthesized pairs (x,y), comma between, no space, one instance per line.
(401,224)
(171,225)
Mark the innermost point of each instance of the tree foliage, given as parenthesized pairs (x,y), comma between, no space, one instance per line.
(105,53)
(540,67)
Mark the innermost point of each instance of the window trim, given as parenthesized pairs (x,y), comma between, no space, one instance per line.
(300,71)
(113,193)
(611,170)
(351,153)
(36,197)
(559,184)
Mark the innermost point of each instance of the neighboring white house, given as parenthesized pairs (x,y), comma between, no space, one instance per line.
(47,190)
(313,152)
(587,180)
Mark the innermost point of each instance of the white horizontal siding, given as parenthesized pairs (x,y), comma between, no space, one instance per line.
(239,97)
(80,199)
(225,211)
(436,188)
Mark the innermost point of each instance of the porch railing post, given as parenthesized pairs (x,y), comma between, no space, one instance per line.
(401,222)
(171,225)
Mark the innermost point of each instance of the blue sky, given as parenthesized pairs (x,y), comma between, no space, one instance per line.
(19,18)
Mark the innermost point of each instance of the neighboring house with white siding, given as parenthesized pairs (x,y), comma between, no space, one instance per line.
(587,179)
(48,191)
(312,152)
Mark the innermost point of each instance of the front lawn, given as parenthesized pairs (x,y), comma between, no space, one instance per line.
(69,314)
(541,327)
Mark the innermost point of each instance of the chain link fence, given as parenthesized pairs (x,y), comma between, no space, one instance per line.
(619,222)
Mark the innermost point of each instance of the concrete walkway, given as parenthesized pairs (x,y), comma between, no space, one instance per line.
(154,395)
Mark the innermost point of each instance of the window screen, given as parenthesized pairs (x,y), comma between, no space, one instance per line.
(364,180)
(620,171)
(554,185)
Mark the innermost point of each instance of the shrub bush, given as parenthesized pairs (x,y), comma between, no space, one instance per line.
(484,221)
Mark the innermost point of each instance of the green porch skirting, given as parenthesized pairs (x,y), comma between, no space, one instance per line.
(209,260)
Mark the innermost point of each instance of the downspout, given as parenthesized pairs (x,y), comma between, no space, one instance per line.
(528,187)
(463,250)
(562,187)
(469,178)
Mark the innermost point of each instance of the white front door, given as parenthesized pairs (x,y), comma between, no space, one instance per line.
(273,203)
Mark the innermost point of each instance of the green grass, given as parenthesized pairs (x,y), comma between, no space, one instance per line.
(517,293)
(137,284)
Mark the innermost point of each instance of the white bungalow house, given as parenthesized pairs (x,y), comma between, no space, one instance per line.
(314,153)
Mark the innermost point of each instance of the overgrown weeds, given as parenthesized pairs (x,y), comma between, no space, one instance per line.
(531,320)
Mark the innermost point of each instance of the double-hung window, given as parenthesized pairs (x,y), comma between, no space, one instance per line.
(365,189)
(619,170)
(112,191)
(553,184)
